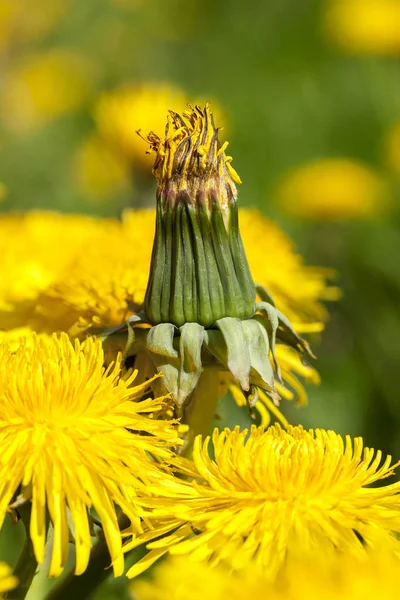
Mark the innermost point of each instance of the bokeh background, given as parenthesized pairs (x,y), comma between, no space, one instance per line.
(309,96)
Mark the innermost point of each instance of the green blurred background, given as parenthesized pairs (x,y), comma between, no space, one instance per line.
(315,82)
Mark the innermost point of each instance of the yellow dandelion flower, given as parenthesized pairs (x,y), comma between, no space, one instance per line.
(336,188)
(119,114)
(7,580)
(28,19)
(35,249)
(69,430)
(98,171)
(44,87)
(314,577)
(275,264)
(271,495)
(364,26)
(107,279)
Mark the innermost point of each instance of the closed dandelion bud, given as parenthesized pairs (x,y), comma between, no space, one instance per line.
(199,271)
(200,301)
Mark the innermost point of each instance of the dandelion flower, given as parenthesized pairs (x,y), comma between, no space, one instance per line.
(276,265)
(364,26)
(120,113)
(314,577)
(74,438)
(98,171)
(35,249)
(333,189)
(44,87)
(7,580)
(28,19)
(271,495)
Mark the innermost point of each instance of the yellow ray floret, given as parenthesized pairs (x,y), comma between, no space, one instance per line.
(69,433)
(272,495)
(315,576)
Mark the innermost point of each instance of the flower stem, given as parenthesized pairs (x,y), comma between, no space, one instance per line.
(200,412)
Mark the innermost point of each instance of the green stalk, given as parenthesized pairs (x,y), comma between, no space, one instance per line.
(200,411)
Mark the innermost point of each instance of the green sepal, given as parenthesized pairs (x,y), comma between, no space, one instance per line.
(160,345)
(261,370)
(237,353)
(287,334)
(264,294)
(271,320)
(190,343)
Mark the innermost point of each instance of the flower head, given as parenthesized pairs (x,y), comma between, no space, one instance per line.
(333,189)
(44,87)
(98,171)
(274,494)
(364,26)
(313,577)
(118,114)
(28,19)
(75,438)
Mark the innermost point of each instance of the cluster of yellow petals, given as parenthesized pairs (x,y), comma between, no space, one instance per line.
(269,496)
(313,577)
(42,87)
(120,113)
(28,20)
(333,189)
(364,26)
(75,436)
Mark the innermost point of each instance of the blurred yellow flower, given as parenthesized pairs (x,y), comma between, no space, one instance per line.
(7,579)
(120,113)
(28,19)
(98,171)
(45,86)
(364,26)
(275,264)
(75,436)
(314,577)
(271,496)
(35,249)
(333,189)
